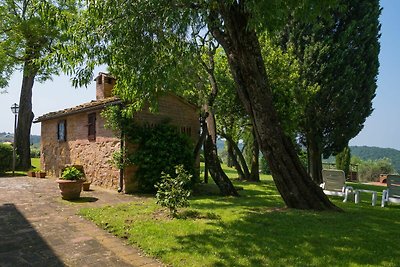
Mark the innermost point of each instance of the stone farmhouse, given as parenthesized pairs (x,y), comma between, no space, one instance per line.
(77,135)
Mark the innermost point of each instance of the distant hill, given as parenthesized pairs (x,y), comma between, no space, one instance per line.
(6,137)
(363,152)
(9,137)
(373,153)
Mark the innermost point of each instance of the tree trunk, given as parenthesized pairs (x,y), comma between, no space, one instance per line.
(221,180)
(25,118)
(255,165)
(210,149)
(230,155)
(211,157)
(239,154)
(202,143)
(235,162)
(202,138)
(315,161)
(243,50)
(204,153)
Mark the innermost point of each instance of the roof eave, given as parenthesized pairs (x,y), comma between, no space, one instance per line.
(72,112)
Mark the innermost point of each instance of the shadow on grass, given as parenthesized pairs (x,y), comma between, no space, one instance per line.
(257,230)
(20,244)
(296,238)
(262,194)
(194,214)
(269,234)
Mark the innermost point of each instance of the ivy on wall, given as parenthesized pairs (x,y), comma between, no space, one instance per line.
(161,147)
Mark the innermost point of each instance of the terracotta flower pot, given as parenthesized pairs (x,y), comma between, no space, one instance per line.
(40,174)
(70,189)
(31,174)
(86,186)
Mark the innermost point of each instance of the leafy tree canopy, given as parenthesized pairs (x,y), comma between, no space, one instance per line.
(153,45)
(29,32)
(339,66)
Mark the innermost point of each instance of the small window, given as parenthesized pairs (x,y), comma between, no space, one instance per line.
(62,131)
(92,126)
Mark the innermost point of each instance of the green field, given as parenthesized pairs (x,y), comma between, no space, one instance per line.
(257,230)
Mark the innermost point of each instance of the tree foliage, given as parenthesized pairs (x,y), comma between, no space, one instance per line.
(29,32)
(369,170)
(152,46)
(283,70)
(374,153)
(343,160)
(6,157)
(339,66)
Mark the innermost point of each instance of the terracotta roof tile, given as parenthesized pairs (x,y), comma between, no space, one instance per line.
(93,105)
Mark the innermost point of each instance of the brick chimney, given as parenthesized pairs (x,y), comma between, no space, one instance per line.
(104,85)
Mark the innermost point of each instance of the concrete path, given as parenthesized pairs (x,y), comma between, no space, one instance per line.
(37,228)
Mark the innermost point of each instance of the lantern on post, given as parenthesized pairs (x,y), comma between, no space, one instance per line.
(14,110)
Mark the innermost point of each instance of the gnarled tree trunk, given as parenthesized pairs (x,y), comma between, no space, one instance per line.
(243,50)
(211,157)
(25,118)
(234,160)
(239,155)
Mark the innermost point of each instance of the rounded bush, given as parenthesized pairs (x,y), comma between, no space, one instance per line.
(6,157)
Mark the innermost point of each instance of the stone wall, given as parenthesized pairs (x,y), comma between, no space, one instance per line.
(94,156)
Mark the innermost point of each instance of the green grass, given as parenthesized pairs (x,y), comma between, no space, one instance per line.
(35,162)
(256,230)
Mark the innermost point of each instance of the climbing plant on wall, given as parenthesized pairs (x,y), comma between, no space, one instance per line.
(160,148)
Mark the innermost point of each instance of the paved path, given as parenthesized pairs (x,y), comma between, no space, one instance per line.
(37,228)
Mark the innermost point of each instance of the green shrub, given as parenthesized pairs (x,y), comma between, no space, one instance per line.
(343,160)
(35,153)
(71,173)
(6,157)
(264,166)
(160,149)
(171,190)
(369,170)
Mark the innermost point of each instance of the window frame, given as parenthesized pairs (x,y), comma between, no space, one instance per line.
(91,126)
(62,130)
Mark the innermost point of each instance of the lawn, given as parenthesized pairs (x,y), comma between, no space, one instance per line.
(35,162)
(256,230)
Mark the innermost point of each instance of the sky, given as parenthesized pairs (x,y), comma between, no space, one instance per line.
(381,129)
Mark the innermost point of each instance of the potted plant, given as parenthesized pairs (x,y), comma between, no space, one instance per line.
(70,183)
(40,174)
(86,183)
(31,173)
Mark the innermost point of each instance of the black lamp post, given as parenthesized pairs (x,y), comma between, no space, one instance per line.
(14,110)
